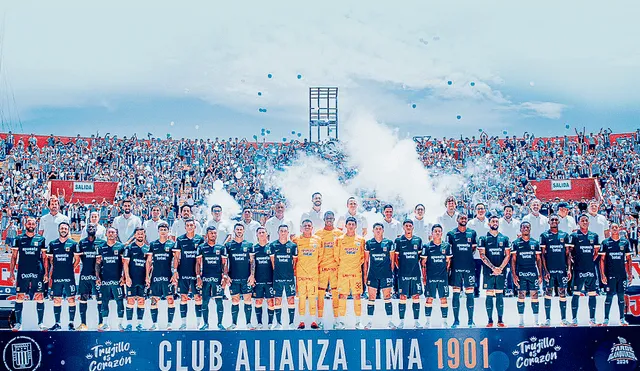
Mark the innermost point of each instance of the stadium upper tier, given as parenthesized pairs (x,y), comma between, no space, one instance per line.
(171,171)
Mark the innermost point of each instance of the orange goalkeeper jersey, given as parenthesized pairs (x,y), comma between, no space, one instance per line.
(328,239)
(350,254)
(309,255)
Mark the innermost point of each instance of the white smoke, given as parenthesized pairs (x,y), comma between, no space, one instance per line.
(387,166)
(219,196)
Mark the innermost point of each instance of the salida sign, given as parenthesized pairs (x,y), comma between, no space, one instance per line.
(83,187)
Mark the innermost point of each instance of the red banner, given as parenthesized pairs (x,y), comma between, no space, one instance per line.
(566,189)
(84,192)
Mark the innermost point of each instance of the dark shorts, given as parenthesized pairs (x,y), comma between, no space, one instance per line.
(528,283)
(558,280)
(212,287)
(409,287)
(161,289)
(380,283)
(492,282)
(186,285)
(288,286)
(109,292)
(616,285)
(584,280)
(63,289)
(441,289)
(30,286)
(463,279)
(263,291)
(136,291)
(87,286)
(239,287)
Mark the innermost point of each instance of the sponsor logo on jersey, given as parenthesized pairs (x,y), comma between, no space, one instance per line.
(384,249)
(469,239)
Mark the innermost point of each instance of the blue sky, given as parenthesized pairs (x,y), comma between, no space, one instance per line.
(71,67)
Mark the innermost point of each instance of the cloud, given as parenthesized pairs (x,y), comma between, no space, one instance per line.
(78,53)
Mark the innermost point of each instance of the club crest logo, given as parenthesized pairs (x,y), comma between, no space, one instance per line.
(22,353)
(622,352)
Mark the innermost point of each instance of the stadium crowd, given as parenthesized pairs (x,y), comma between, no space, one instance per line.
(169,173)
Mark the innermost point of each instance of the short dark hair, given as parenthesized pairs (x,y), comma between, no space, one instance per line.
(238,225)
(436,226)
(328,213)
(246,208)
(184,207)
(189,220)
(377,224)
(351,219)
(418,205)
(306,221)
(127,200)
(387,206)
(407,221)
(65,223)
(214,206)
(494,217)
(138,229)
(163,225)
(314,194)
(283,226)
(583,216)
(507,207)
(210,228)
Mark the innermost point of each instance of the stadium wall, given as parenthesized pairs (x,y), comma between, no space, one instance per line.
(84,192)
(567,189)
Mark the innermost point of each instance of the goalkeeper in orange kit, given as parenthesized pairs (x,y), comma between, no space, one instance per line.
(350,257)
(328,267)
(309,254)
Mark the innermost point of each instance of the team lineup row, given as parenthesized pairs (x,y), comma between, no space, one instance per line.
(307,265)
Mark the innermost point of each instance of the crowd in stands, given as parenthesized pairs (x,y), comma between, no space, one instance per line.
(168,172)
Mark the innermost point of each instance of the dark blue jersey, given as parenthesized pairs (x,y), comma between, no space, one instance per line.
(188,249)
(88,250)
(555,252)
(462,249)
(264,269)
(379,258)
(29,253)
(136,257)
(61,254)
(239,254)
(408,252)
(212,257)
(283,259)
(526,252)
(436,256)
(494,247)
(615,253)
(583,250)
(111,265)
(161,258)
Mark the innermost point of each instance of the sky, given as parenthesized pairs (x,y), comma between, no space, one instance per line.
(76,67)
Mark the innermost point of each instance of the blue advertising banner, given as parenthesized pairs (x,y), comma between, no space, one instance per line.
(601,348)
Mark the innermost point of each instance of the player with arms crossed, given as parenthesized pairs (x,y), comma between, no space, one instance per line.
(109,277)
(463,244)
(87,249)
(495,253)
(527,270)
(59,271)
(350,257)
(284,256)
(379,258)
(184,263)
(263,273)
(615,271)
(328,267)
(134,265)
(436,262)
(584,249)
(158,267)
(556,264)
(240,255)
(309,254)
(407,259)
(29,250)
(211,263)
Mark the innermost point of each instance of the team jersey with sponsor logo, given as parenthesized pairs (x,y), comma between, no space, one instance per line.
(379,258)
(462,249)
(283,254)
(555,254)
(350,254)
(583,250)
(239,254)
(188,248)
(329,241)
(62,254)
(408,251)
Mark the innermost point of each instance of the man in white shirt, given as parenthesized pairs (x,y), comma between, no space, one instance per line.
(392,227)
(449,220)
(481,226)
(315,214)
(273,224)
(223,228)
(250,225)
(539,223)
(567,222)
(352,211)
(510,227)
(126,223)
(101,231)
(598,223)
(151,226)
(178,228)
(420,228)
(49,223)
